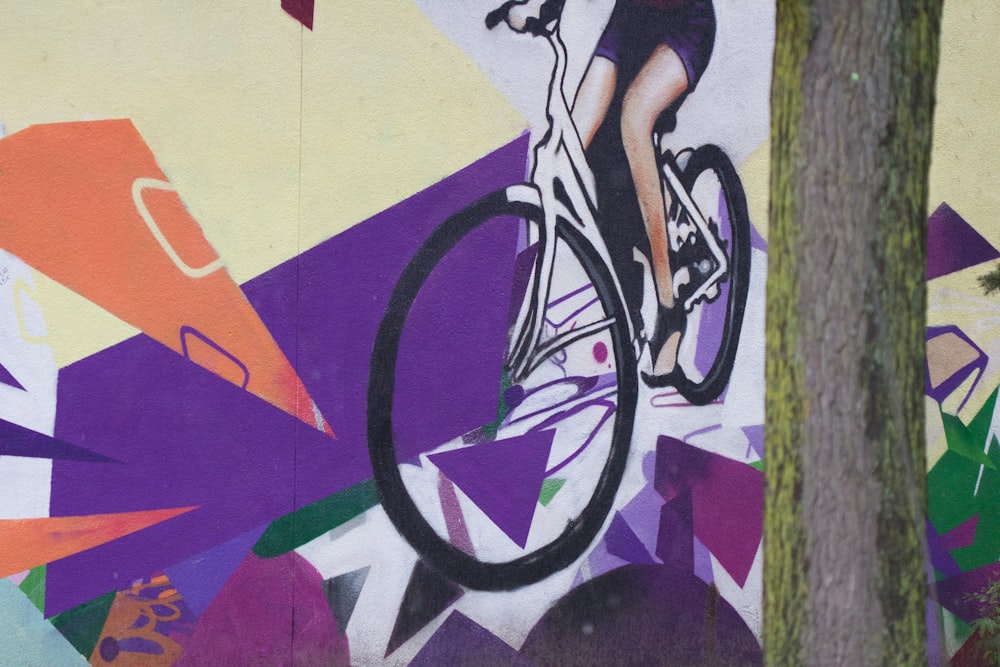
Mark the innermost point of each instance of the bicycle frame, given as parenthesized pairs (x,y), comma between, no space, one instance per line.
(562,184)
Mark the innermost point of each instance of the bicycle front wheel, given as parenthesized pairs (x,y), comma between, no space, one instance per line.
(708,351)
(498,485)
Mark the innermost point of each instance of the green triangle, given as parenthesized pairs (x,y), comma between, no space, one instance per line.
(759,465)
(33,587)
(964,441)
(82,625)
(550,488)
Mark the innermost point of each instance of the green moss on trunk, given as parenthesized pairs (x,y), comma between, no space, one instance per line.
(845,332)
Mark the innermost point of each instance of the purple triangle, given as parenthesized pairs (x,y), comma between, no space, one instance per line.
(7,378)
(503,478)
(199,579)
(755,436)
(16,440)
(462,641)
(953,244)
(962,535)
(622,541)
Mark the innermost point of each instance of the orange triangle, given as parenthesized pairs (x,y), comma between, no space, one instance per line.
(28,543)
(87,205)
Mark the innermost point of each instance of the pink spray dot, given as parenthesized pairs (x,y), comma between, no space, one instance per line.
(600,352)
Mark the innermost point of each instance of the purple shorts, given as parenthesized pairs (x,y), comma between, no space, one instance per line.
(635,30)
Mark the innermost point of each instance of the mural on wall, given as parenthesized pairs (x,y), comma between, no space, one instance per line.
(961,376)
(348,333)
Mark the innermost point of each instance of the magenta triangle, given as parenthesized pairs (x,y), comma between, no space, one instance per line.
(6,377)
(503,478)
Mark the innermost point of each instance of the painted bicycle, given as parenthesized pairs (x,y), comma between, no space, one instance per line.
(537,479)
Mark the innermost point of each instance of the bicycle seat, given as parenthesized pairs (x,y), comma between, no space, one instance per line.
(549,13)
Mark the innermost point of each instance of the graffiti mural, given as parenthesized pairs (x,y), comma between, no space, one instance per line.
(416,332)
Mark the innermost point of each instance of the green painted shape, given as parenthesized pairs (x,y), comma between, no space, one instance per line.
(82,625)
(490,430)
(962,441)
(33,587)
(307,523)
(550,488)
(980,424)
(758,465)
(950,486)
(952,480)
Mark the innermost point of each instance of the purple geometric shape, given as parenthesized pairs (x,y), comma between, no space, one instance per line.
(953,244)
(642,513)
(642,615)
(7,378)
(16,440)
(677,464)
(601,561)
(936,650)
(461,642)
(755,436)
(727,501)
(200,578)
(503,478)
(450,361)
(756,240)
(675,543)
(324,307)
(269,611)
(458,532)
(941,560)
(703,562)
(954,592)
(185,434)
(962,535)
(713,315)
(301,10)
(944,389)
(622,542)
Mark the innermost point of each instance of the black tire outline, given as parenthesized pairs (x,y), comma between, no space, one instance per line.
(581,531)
(711,157)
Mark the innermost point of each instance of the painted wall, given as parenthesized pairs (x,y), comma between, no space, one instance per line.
(205,210)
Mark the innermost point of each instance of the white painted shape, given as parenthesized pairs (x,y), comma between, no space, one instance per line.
(24,482)
(748,600)
(30,362)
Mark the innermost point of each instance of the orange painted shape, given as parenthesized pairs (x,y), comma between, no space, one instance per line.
(143,614)
(86,204)
(28,543)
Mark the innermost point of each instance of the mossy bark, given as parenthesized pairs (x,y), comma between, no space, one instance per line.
(844,558)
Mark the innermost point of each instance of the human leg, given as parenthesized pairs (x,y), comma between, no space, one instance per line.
(659,83)
(594,97)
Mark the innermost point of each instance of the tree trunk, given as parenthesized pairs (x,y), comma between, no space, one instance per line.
(851,102)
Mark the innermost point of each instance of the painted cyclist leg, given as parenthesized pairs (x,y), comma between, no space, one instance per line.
(660,82)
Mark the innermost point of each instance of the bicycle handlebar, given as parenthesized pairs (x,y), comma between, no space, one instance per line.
(548,13)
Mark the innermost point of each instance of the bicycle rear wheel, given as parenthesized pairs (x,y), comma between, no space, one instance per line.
(708,350)
(499,486)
